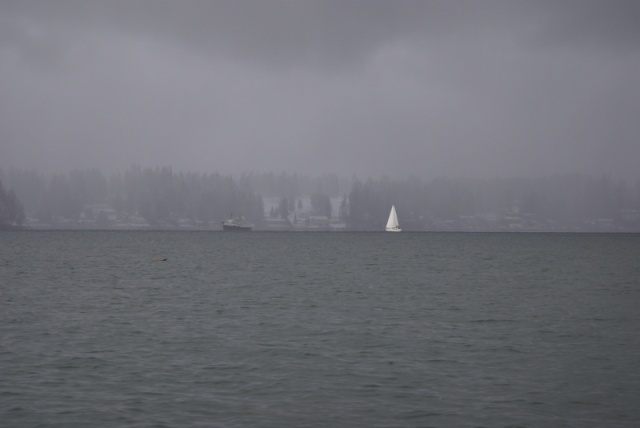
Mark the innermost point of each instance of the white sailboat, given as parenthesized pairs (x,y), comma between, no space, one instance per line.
(392,223)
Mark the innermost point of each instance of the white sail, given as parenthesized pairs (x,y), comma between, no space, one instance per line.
(392,223)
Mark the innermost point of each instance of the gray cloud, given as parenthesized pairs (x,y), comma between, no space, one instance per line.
(355,87)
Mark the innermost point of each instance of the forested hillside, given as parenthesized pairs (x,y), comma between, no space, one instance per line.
(160,197)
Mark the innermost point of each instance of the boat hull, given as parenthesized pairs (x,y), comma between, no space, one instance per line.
(236,224)
(236,228)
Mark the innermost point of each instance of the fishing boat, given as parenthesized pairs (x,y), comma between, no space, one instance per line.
(392,223)
(236,224)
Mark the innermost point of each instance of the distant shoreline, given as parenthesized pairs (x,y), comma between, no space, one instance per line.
(155,229)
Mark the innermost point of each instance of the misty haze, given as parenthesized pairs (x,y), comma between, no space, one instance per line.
(197,200)
(527,112)
(159,198)
(365,88)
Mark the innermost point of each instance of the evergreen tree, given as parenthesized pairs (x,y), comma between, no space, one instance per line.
(321,203)
(343,212)
(284,208)
(11,209)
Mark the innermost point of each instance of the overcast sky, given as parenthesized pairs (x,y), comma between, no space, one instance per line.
(429,88)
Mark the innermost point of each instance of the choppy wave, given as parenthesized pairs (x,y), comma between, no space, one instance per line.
(317,330)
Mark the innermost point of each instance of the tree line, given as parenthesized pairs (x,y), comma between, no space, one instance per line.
(561,202)
(163,197)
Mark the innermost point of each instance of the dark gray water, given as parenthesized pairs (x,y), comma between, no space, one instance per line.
(319,329)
